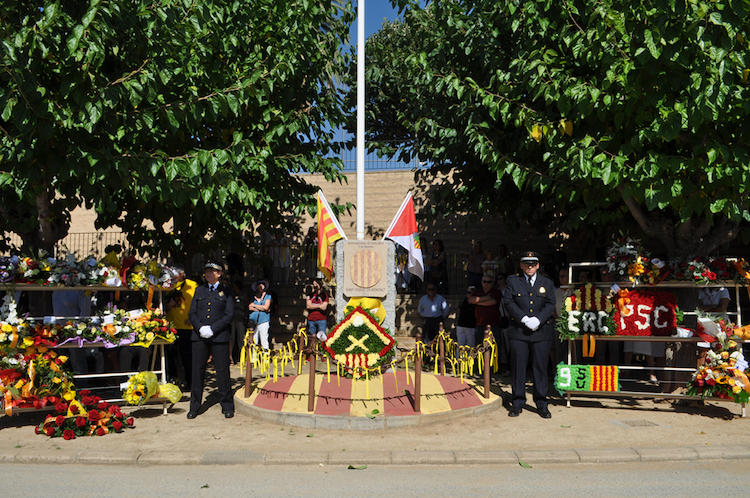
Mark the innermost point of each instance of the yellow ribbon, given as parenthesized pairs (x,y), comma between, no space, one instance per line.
(371,304)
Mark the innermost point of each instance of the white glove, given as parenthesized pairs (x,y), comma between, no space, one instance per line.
(525,320)
(533,323)
(206,332)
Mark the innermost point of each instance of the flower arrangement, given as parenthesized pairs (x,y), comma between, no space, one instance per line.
(89,417)
(586,311)
(359,343)
(144,385)
(150,325)
(69,271)
(724,373)
(35,378)
(624,258)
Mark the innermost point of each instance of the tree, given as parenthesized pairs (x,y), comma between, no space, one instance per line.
(605,113)
(194,113)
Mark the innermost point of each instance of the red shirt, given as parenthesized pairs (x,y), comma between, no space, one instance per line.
(488,315)
(316,315)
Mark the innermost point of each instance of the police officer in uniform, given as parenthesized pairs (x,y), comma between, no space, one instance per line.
(211,313)
(529,301)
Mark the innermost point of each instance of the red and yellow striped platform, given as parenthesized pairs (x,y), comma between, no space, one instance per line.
(391,395)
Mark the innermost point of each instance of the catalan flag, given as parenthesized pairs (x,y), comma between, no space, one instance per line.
(329,231)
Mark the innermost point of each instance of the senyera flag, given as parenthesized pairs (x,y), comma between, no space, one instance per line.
(329,231)
(403,231)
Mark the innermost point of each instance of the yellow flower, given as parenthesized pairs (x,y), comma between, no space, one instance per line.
(736,389)
(149,336)
(70,395)
(6,328)
(19,384)
(28,341)
(3,337)
(63,358)
(56,380)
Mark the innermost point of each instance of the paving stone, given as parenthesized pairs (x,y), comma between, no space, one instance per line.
(168,458)
(232,458)
(666,454)
(402,421)
(299,420)
(722,452)
(359,458)
(36,456)
(607,455)
(331,422)
(364,423)
(296,457)
(548,456)
(423,457)
(488,457)
(111,457)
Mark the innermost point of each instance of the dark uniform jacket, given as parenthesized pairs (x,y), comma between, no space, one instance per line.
(214,308)
(520,299)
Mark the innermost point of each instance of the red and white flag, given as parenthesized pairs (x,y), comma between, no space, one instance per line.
(403,231)
(329,231)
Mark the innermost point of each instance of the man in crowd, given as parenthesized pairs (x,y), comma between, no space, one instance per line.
(178,307)
(529,301)
(211,313)
(433,308)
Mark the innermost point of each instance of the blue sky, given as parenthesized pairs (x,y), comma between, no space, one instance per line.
(375,12)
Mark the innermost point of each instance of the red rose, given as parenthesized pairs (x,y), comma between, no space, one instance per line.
(49,431)
(93,415)
(37,430)
(130,421)
(80,421)
(59,420)
(101,431)
(710,382)
(61,407)
(117,425)
(37,404)
(68,434)
(85,392)
(700,382)
(102,405)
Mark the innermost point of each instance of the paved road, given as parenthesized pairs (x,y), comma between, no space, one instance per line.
(629,479)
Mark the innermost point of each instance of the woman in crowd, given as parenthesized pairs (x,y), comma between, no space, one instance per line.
(317,310)
(260,312)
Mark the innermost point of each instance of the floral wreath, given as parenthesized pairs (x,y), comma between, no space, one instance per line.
(359,343)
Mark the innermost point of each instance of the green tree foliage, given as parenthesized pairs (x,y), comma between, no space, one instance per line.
(605,112)
(199,112)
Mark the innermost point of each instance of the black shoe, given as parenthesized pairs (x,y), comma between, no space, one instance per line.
(544,412)
(514,412)
(191,415)
(228,414)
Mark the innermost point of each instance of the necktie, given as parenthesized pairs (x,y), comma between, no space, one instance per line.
(528,279)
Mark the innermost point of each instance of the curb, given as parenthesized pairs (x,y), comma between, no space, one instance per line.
(500,457)
(313,421)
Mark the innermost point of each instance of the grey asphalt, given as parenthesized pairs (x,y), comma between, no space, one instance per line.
(589,432)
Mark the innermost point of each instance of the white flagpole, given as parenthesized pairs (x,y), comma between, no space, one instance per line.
(360,119)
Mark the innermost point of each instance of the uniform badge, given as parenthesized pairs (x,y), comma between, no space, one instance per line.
(221,293)
(542,290)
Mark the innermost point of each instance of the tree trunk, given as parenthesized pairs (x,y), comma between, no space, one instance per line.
(692,237)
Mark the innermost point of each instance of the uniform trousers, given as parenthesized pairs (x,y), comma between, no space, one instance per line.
(519,358)
(220,353)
